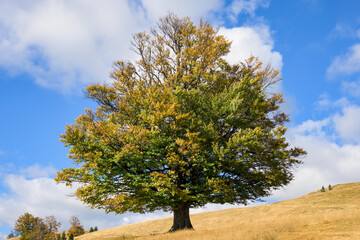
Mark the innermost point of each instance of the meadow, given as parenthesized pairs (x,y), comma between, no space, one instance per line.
(320,215)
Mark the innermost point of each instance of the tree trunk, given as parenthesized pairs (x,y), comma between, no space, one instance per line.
(181,218)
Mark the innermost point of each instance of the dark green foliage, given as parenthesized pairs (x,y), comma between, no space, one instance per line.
(63,236)
(71,237)
(11,235)
(91,229)
(95,229)
(322,189)
(330,188)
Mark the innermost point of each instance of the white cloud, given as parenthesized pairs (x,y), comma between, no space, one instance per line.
(247,6)
(326,103)
(348,63)
(3,236)
(252,41)
(328,161)
(311,127)
(347,123)
(68,44)
(256,41)
(37,171)
(193,9)
(343,31)
(352,88)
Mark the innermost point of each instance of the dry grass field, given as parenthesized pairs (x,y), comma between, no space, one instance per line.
(332,214)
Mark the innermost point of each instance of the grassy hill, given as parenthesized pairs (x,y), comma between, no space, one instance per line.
(319,215)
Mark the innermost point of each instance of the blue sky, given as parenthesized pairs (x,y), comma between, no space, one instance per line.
(50,50)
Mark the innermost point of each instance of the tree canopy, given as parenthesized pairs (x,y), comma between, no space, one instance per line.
(29,227)
(179,128)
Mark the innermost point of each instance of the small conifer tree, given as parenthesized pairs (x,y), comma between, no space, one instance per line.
(330,188)
(91,229)
(11,235)
(322,189)
(95,229)
(71,237)
(63,236)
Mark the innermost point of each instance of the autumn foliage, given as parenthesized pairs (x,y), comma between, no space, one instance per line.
(28,227)
(180,128)
(76,230)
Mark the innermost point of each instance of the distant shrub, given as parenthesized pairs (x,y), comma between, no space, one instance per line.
(91,230)
(71,237)
(95,229)
(11,235)
(322,189)
(76,231)
(330,188)
(63,236)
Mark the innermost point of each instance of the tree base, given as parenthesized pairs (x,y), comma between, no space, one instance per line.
(181,218)
(178,227)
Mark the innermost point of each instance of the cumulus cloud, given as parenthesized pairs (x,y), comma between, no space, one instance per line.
(325,103)
(352,88)
(252,41)
(348,63)
(256,41)
(194,9)
(247,6)
(347,123)
(333,153)
(65,45)
(37,171)
(343,31)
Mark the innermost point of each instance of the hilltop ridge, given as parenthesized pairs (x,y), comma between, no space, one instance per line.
(332,214)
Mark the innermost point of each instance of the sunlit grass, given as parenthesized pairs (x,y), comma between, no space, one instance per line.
(331,215)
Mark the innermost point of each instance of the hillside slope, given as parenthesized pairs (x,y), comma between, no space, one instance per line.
(319,215)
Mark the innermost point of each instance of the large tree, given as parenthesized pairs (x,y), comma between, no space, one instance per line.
(180,128)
